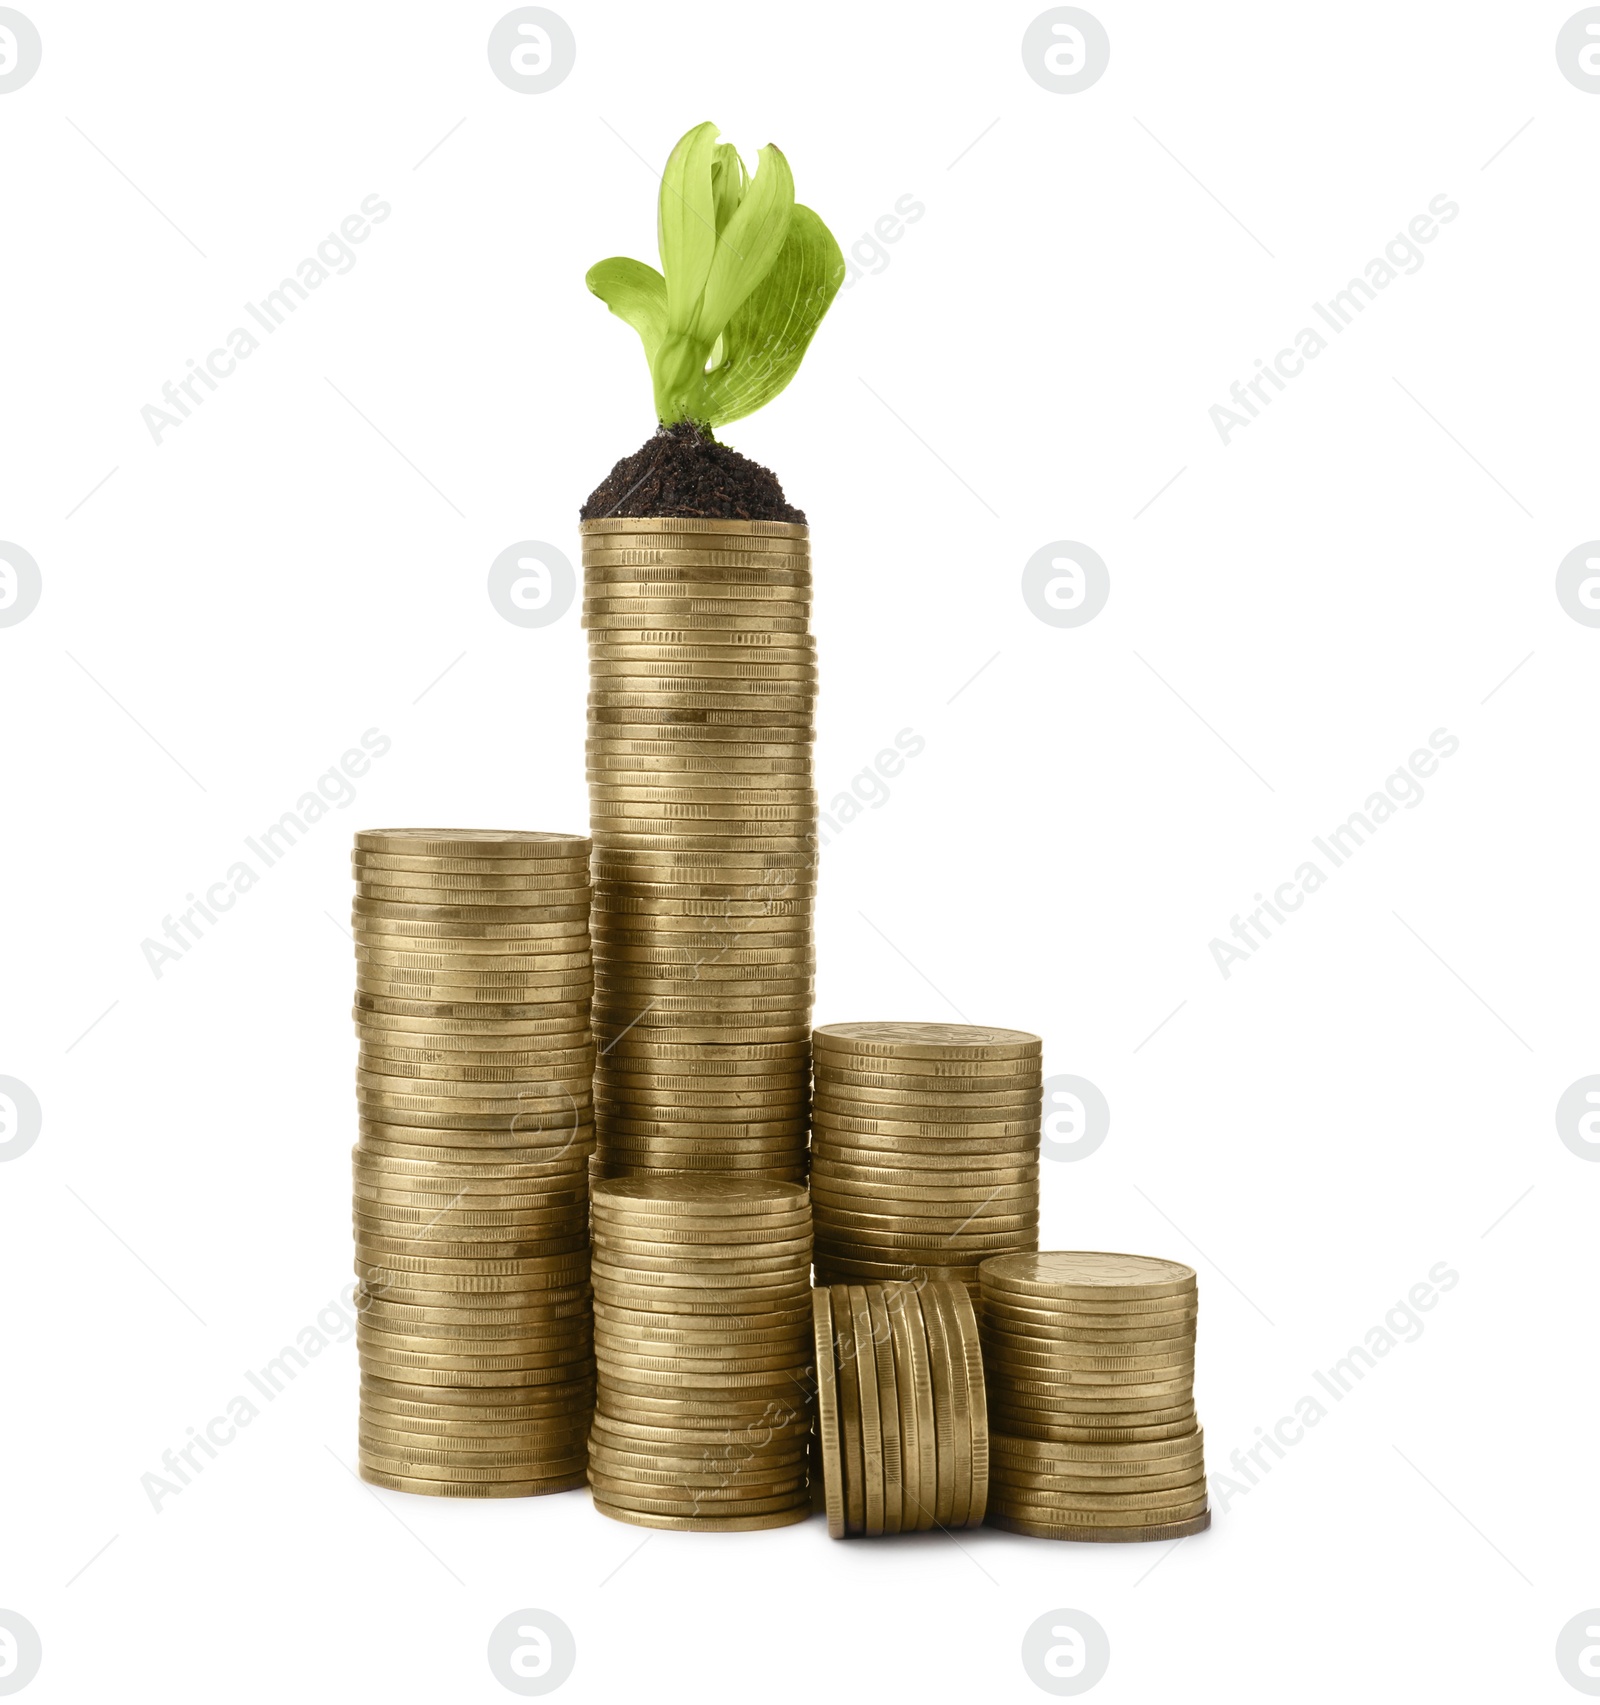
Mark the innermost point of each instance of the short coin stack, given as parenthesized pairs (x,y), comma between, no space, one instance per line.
(703,1343)
(471,1211)
(901,1426)
(925,1149)
(1090,1362)
(701,718)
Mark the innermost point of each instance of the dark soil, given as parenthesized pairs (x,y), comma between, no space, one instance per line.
(682,471)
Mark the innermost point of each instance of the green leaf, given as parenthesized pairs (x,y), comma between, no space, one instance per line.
(633,292)
(762,344)
(750,243)
(687,224)
(728,180)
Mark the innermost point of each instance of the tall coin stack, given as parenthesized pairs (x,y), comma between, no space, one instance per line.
(925,1149)
(471,1210)
(902,1430)
(703,1343)
(1090,1364)
(701,718)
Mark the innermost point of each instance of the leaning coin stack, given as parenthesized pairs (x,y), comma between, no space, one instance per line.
(703,1345)
(902,1430)
(701,717)
(924,1149)
(1090,1363)
(471,1183)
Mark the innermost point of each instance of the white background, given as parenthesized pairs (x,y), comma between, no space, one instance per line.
(1296,612)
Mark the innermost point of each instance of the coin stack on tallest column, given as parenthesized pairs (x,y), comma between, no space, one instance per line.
(703,812)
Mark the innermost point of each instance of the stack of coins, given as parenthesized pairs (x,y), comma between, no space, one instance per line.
(925,1149)
(701,717)
(703,1343)
(471,1201)
(902,1431)
(1090,1362)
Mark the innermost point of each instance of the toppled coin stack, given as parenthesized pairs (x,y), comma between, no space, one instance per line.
(924,1149)
(902,1431)
(703,1345)
(1090,1364)
(471,1206)
(701,719)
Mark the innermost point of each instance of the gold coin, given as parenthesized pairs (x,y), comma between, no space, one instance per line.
(479,1172)
(846,1269)
(914,1388)
(616,585)
(928,1041)
(473,843)
(451,1489)
(801,655)
(559,1439)
(569,905)
(1068,1433)
(938,1308)
(1075,1397)
(440,1465)
(452,964)
(401,1404)
(684,627)
(1172,1340)
(778,561)
(467,937)
(439,1451)
(966,1322)
(856,1187)
(1065,1318)
(540,1073)
(1118,1458)
(924,1158)
(1095,1361)
(871,1414)
(640,1435)
(930,1074)
(925,1119)
(699,1199)
(690,1034)
(516,1140)
(507,1367)
(499,1064)
(744,1459)
(1054,1530)
(492,866)
(1089,1276)
(699,1524)
(695,1502)
(1047,1507)
(888,1409)
(943,1106)
(921,1172)
(942,1500)
(447,1379)
(695,906)
(709,1487)
(925,1136)
(828,1436)
(1014,1485)
(555,1030)
(502,904)
(848,1384)
(519,887)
